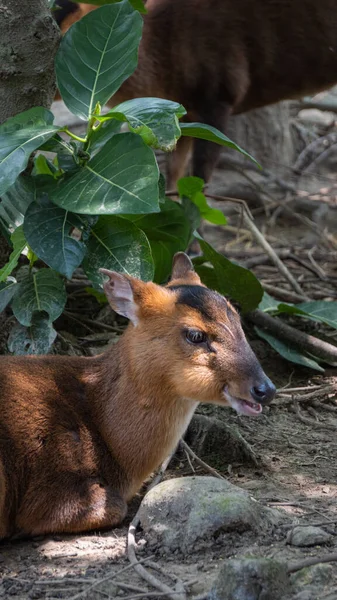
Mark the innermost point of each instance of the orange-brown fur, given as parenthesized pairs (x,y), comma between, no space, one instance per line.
(218,57)
(78,436)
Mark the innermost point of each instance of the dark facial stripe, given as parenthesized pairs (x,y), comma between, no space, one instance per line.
(202,299)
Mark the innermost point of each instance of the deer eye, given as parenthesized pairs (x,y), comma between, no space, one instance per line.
(194,336)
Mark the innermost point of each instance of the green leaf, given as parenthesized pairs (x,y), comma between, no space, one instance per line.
(103,134)
(47,229)
(121,178)
(42,166)
(268,304)
(19,136)
(7,291)
(192,187)
(288,352)
(117,244)
(96,55)
(40,291)
(211,134)
(15,201)
(137,4)
(168,232)
(229,279)
(154,119)
(192,214)
(19,245)
(322,311)
(35,339)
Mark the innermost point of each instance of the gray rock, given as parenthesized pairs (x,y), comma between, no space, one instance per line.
(179,512)
(318,575)
(251,579)
(308,536)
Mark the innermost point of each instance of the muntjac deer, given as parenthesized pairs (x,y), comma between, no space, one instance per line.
(78,436)
(223,57)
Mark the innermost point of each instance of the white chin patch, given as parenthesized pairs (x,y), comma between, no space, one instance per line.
(243,407)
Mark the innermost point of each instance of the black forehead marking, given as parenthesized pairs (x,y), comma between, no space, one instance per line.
(201,299)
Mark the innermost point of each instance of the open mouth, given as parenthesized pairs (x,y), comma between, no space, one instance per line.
(243,407)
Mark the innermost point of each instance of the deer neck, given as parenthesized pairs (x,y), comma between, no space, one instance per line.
(139,416)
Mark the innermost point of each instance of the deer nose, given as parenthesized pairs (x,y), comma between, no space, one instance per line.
(264,392)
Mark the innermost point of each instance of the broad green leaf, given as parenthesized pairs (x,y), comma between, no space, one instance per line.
(211,134)
(19,245)
(193,191)
(42,290)
(137,4)
(192,214)
(320,310)
(231,279)
(47,229)
(268,304)
(7,291)
(103,134)
(19,136)
(168,232)
(288,352)
(154,119)
(42,166)
(56,143)
(96,55)
(35,339)
(117,244)
(189,186)
(15,201)
(121,178)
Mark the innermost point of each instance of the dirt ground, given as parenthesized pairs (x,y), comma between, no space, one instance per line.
(294,440)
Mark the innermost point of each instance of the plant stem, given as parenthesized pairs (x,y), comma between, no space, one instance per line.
(73,136)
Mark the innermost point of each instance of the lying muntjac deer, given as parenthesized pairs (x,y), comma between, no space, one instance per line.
(223,57)
(78,435)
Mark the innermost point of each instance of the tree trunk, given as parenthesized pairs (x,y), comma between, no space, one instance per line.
(29,38)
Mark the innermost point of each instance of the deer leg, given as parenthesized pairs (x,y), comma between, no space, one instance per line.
(70,508)
(206,154)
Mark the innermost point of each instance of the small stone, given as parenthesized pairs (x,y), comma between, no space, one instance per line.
(308,536)
(251,579)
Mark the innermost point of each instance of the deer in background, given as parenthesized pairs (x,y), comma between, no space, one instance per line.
(223,57)
(78,435)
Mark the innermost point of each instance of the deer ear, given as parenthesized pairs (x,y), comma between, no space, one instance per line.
(182,268)
(119,293)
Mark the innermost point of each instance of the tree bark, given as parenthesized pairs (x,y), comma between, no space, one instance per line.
(29,39)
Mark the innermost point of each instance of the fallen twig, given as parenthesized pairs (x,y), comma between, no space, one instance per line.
(142,572)
(324,105)
(301,340)
(310,562)
(200,462)
(281,293)
(100,581)
(274,257)
(173,594)
(310,422)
